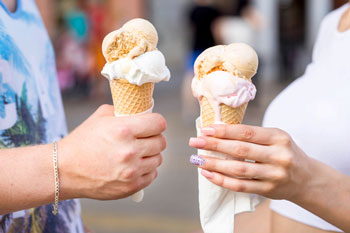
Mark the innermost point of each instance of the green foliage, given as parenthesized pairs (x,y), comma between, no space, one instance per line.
(29,128)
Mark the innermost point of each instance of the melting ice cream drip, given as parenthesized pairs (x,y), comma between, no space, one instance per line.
(221,87)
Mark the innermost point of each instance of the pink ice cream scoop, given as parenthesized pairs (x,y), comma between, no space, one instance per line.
(222,82)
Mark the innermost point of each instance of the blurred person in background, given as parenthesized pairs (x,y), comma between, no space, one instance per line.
(74,71)
(104,158)
(242,26)
(302,162)
(291,37)
(97,30)
(202,17)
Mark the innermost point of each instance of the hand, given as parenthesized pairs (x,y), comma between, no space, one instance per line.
(281,170)
(109,157)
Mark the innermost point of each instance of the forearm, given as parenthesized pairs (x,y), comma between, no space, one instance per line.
(26,177)
(327,195)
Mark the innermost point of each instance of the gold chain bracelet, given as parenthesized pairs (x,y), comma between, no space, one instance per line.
(57,181)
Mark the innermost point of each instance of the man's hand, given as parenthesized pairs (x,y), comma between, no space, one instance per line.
(110,157)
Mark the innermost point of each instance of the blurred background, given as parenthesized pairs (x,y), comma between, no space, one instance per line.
(281,31)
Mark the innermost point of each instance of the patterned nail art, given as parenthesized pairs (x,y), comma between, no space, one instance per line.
(197,160)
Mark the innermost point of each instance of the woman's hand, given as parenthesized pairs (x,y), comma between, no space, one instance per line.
(281,170)
(111,158)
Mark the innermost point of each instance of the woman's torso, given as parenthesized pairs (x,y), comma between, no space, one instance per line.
(315,111)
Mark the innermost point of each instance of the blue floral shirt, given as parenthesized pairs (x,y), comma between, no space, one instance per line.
(31,110)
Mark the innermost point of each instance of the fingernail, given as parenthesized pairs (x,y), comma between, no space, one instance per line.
(208,131)
(207,174)
(197,142)
(197,160)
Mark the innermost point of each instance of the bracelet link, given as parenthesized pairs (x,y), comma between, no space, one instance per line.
(57,181)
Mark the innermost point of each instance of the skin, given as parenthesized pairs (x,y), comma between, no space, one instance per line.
(282,171)
(105,158)
(10,4)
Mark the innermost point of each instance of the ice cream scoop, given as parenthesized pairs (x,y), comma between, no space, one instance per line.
(221,87)
(134,38)
(133,65)
(148,67)
(222,82)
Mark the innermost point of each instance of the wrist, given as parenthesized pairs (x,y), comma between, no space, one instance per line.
(320,177)
(68,188)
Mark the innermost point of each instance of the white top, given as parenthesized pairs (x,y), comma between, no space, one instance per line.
(315,110)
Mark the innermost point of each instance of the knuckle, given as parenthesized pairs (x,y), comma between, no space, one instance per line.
(239,186)
(284,138)
(281,175)
(242,150)
(129,173)
(269,188)
(213,144)
(123,131)
(220,180)
(221,130)
(128,154)
(286,160)
(248,133)
(241,169)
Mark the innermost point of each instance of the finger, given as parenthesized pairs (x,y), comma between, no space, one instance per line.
(234,148)
(247,133)
(146,125)
(146,180)
(150,146)
(150,164)
(237,184)
(241,169)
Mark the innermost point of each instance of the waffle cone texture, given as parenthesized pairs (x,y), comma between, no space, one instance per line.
(130,99)
(228,115)
(136,37)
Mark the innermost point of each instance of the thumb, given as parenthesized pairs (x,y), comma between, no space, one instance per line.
(104,110)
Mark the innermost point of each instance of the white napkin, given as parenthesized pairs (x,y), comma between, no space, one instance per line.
(138,197)
(218,206)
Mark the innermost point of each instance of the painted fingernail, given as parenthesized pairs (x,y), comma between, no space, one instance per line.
(208,131)
(207,174)
(197,142)
(197,160)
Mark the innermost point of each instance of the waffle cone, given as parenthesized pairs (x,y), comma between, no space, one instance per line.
(129,99)
(228,115)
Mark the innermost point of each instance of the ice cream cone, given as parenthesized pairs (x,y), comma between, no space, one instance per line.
(129,99)
(228,115)
(133,66)
(238,59)
(133,39)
